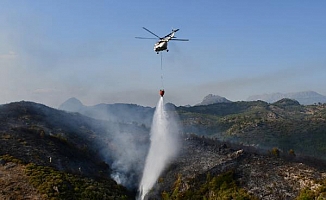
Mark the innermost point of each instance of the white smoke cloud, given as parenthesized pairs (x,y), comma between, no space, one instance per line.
(124,147)
(128,157)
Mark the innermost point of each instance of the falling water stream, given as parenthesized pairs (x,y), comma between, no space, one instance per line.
(162,149)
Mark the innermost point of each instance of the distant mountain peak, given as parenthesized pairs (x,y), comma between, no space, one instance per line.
(212,99)
(73,105)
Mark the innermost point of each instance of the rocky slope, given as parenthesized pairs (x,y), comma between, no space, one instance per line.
(256,176)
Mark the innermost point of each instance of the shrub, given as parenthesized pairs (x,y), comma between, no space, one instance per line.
(291,153)
(275,152)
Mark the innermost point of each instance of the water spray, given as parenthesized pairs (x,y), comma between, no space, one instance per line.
(163,148)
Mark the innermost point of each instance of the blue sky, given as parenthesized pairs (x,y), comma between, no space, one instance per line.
(53,50)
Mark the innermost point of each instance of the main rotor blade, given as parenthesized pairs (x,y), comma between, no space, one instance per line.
(180,39)
(146,38)
(151,32)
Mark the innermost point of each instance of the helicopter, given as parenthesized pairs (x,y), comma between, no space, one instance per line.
(162,44)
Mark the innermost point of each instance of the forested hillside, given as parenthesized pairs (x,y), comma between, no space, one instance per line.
(285,124)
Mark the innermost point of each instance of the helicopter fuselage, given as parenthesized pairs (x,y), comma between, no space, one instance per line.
(163,43)
(161,46)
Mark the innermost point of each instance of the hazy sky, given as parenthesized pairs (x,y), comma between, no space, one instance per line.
(51,50)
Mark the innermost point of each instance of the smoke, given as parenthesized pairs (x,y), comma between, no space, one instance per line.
(125,151)
(163,147)
(122,139)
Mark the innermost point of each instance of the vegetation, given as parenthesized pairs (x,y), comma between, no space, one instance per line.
(9,158)
(275,152)
(314,193)
(218,187)
(59,185)
(56,185)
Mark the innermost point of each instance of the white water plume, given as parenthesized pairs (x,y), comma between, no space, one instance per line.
(164,146)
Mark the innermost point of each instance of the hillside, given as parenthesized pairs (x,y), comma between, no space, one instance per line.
(69,143)
(209,169)
(284,124)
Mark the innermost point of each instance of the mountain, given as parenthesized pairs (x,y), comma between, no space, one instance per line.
(211,99)
(118,112)
(72,105)
(305,97)
(235,150)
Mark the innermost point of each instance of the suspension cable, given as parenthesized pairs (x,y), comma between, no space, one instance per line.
(162,85)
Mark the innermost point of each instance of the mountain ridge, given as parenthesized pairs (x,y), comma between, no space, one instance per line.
(117,112)
(304,97)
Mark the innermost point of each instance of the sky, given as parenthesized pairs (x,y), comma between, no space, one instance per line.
(52,50)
